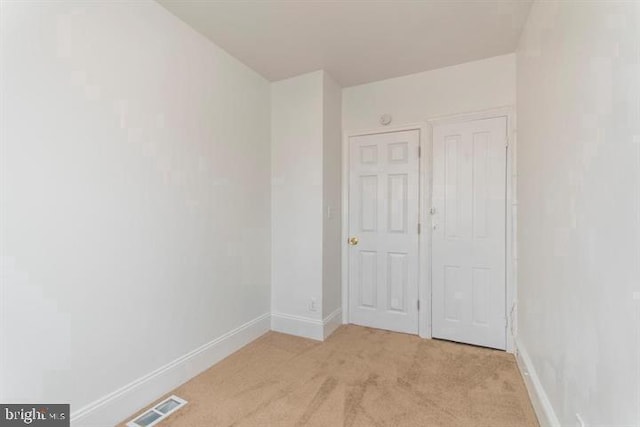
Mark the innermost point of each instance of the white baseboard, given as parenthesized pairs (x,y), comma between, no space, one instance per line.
(306,327)
(539,399)
(298,326)
(124,402)
(332,322)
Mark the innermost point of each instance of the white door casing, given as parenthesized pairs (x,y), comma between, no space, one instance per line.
(383,216)
(469,232)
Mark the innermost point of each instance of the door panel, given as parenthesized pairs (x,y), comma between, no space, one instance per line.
(468,240)
(383,215)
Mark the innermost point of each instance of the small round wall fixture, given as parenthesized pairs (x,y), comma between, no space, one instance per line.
(385,119)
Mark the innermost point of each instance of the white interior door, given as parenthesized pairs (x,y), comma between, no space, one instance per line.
(383,217)
(468,240)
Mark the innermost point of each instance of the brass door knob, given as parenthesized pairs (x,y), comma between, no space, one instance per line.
(353,241)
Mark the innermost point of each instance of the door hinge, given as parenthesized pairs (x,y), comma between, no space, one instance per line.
(419,151)
(419,228)
(418,305)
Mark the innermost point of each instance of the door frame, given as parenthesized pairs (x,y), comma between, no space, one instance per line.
(424,280)
(425,191)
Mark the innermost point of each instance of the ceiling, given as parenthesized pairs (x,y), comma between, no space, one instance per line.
(356,41)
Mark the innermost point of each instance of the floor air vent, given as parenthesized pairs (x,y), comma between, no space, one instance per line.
(158,413)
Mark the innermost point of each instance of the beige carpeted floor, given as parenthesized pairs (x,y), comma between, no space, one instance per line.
(357,377)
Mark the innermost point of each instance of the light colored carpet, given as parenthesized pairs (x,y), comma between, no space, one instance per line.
(357,377)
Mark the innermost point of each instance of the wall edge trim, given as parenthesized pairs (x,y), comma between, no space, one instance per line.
(539,398)
(116,406)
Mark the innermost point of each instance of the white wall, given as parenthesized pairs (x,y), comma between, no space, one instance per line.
(135,196)
(473,86)
(297,198)
(579,212)
(332,202)
(306,198)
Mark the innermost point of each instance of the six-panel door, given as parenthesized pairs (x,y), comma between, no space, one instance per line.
(383,217)
(468,237)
